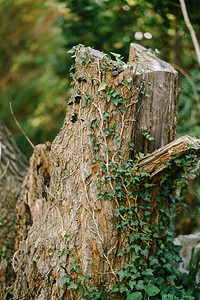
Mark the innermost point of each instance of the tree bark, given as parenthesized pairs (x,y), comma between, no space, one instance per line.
(31,204)
(76,227)
(156,109)
(159,160)
(13,168)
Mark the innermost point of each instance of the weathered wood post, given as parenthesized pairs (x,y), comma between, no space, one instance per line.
(112,106)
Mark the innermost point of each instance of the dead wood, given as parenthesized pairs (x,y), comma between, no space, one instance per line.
(13,168)
(159,160)
(31,204)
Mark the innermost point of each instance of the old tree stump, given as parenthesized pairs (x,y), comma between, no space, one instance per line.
(101,223)
(13,168)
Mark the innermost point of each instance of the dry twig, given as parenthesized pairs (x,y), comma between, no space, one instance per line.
(29,141)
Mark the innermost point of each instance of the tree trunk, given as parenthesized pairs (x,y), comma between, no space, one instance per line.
(111,106)
(13,168)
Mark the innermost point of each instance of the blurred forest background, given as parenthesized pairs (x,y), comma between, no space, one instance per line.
(35,36)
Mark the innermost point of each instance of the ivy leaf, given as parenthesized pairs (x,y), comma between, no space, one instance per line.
(121,275)
(102,86)
(115,54)
(148,272)
(157,51)
(115,289)
(152,290)
(135,296)
(148,136)
(167,297)
(120,253)
(65,279)
(106,115)
(131,284)
(123,288)
(72,286)
(140,285)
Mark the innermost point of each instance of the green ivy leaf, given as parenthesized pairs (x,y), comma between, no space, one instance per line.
(152,290)
(123,288)
(102,86)
(135,296)
(131,284)
(121,275)
(167,297)
(120,253)
(115,289)
(72,286)
(65,279)
(140,285)
(157,51)
(148,135)
(115,54)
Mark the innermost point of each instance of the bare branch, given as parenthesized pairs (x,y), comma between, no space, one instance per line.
(191,29)
(20,127)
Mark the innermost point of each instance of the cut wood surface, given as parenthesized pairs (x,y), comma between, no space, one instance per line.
(159,160)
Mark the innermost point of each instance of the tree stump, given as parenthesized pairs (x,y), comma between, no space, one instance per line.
(13,168)
(112,106)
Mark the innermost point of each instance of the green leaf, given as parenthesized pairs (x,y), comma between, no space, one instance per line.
(131,284)
(148,136)
(135,296)
(140,285)
(120,253)
(106,115)
(115,289)
(102,86)
(148,272)
(121,275)
(123,288)
(65,279)
(115,54)
(152,290)
(167,297)
(72,286)
(157,51)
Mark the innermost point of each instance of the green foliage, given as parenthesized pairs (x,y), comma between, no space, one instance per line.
(189,106)
(189,123)
(31,54)
(148,136)
(68,236)
(3,253)
(111,26)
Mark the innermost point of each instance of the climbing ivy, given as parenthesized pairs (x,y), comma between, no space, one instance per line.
(150,256)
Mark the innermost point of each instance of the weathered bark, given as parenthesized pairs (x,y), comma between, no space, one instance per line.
(155,113)
(31,204)
(74,219)
(159,160)
(13,168)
